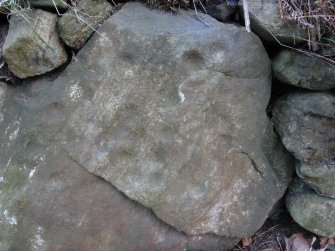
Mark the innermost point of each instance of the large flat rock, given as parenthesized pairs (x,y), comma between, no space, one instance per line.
(166,112)
(49,202)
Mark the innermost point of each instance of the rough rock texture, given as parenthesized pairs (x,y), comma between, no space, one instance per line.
(312,211)
(76,27)
(167,113)
(33,48)
(306,123)
(266,23)
(303,71)
(49,202)
(320,176)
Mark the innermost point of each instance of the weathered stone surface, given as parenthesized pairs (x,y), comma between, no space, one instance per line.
(49,202)
(306,122)
(33,48)
(312,211)
(76,27)
(266,23)
(303,71)
(167,113)
(320,176)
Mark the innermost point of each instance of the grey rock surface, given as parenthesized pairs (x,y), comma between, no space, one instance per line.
(266,23)
(168,114)
(320,176)
(75,27)
(32,47)
(303,71)
(305,122)
(49,202)
(312,211)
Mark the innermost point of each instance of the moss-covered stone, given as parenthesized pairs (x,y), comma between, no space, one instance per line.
(304,71)
(312,211)
(32,46)
(78,24)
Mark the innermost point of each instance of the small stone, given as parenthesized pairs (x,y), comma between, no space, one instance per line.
(312,211)
(265,21)
(78,24)
(320,176)
(303,71)
(32,47)
(305,122)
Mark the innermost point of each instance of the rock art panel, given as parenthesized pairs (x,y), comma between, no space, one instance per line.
(166,112)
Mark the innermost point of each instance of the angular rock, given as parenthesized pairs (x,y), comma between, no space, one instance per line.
(33,48)
(49,202)
(75,27)
(168,114)
(305,122)
(265,21)
(303,71)
(320,176)
(312,211)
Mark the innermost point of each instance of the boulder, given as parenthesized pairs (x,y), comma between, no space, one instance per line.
(305,122)
(32,47)
(168,114)
(312,211)
(78,24)
(265,21)
(304,71)
(320,176)
(49,202)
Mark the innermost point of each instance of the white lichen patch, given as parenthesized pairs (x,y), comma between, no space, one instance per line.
(129,73)
(32,172)
(11,220)
(38,243)
(2,179)
(13,131)
(181,94)
(1,117)
(75,91)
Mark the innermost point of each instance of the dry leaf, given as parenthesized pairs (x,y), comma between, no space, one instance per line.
(296,242)
(246,242)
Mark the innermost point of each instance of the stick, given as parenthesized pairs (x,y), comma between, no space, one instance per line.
(246,15)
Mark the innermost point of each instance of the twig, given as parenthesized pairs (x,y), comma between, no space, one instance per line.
(279,244)
(266,231)
(246,15)
(238,246)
